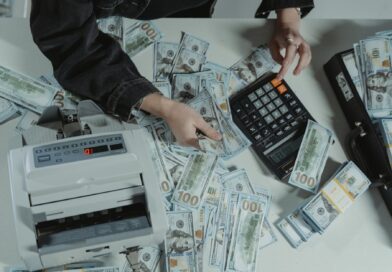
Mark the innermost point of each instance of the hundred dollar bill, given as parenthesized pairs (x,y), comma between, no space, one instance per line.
(256,64)
(217,253)
(386,33)
(246,233)
(213,191)
(185,87)
(222,74)
(143,258)
(164,88)
(352,68)
(188,61)
(386,130)
(299,224)
(267,235)
(161,169)
(211,146)
(335,197)
(111,25)
(193,183)
(175,168)
(63,98)
(180,243)
(139,36)
(376,54)
(7,110)
(311,158)
(27,120)
(290,233)
(193,43)
(164,55)
(218,91)
(237,181)
(25,91)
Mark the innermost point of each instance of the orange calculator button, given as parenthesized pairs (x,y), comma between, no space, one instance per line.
(275,82)
(282,89)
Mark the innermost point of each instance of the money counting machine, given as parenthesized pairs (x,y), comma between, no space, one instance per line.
(85,196)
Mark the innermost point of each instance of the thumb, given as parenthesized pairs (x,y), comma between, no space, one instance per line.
(209,131)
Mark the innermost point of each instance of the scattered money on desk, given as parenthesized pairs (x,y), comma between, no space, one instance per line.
(218,219)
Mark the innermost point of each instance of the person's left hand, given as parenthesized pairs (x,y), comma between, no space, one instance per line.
(288,37)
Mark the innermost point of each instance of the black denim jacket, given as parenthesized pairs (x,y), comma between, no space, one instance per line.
(90,63)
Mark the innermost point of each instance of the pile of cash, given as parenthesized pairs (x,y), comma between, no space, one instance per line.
(217,218)
(316,214)
(374,73)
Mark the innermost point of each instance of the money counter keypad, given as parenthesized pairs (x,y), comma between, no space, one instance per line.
(268,112)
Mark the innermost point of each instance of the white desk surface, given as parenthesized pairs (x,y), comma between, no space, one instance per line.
(360,241)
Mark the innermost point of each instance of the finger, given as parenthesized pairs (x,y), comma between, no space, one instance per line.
(304,59)
(193,142)
(275,52)
(209,131)
(291,50)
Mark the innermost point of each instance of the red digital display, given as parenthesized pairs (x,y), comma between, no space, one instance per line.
(88,151)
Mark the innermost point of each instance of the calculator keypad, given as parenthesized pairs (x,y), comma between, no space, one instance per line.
(270,112)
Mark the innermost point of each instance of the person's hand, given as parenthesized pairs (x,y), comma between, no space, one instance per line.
(182,119)
(288,37)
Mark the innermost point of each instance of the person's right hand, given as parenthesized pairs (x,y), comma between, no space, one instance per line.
(182,119)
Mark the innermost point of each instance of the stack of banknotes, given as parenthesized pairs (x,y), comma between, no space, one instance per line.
(318,212)
(373,78)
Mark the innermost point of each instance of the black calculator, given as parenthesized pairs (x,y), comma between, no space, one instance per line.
(272,117)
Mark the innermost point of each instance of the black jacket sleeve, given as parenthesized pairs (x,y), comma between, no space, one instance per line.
(86,61)
(269,5)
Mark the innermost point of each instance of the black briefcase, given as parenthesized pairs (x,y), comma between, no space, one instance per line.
(364,143)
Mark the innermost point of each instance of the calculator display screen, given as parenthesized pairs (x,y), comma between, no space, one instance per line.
(285,150)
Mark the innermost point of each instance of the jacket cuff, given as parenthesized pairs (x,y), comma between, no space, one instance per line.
(127,94)
(267,6)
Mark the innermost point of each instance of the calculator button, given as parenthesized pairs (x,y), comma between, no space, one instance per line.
(271,107)
(276,114)
(259,124)
(265,132)
(282,89)
(281,121)
(246,121)
(298,110)
(278,102)
(287,96)
(257,104)
(257,137)
(254,117)
(273,95)
(248,107)
(268,87)
(287,128)
(293,103)
(252,129)
(268,119)
(294,123)
(265,99)
(283,109)
(252,97)
(289,116)
(279,133)
(276,82)
(263,111)
(274,126)
(260,92)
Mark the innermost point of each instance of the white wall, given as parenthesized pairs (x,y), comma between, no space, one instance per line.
(342,9)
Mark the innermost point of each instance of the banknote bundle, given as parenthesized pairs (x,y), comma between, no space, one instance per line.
(316,214)
(374,77)
(311,158)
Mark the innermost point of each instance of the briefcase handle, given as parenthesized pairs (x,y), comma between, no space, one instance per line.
(353,152)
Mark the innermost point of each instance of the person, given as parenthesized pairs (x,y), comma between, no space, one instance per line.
(92,65)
